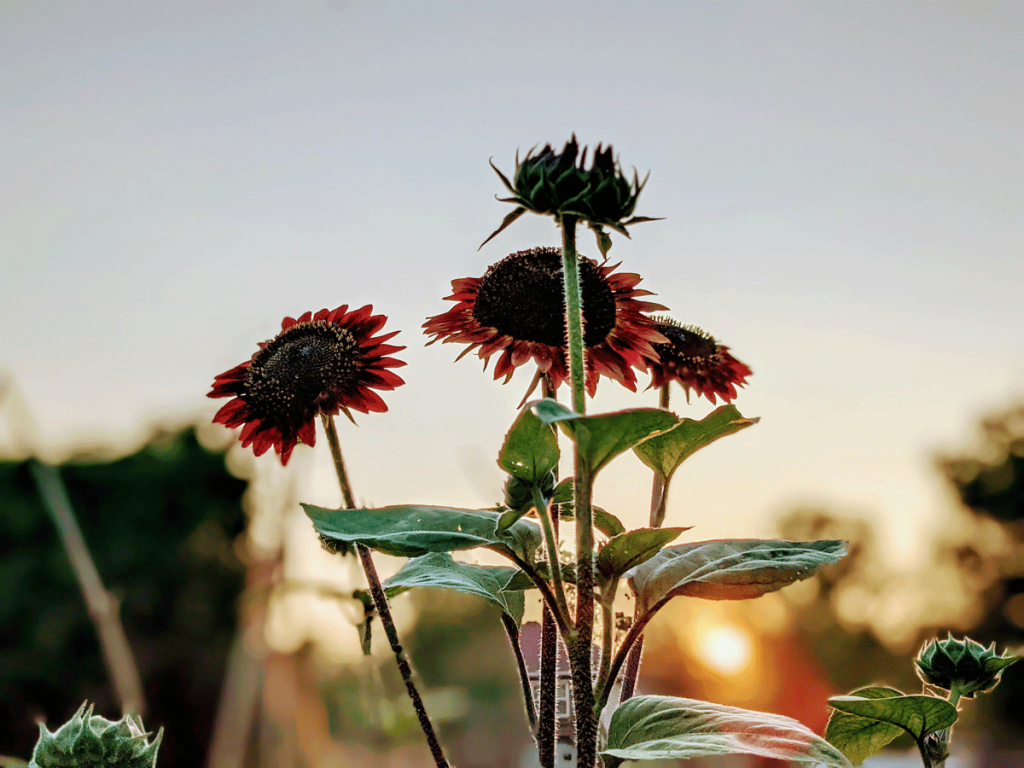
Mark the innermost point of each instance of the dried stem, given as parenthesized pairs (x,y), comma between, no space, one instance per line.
(380,601)
(102,606)
(512,629)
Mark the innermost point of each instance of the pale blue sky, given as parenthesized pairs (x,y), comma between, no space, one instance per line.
(843,187)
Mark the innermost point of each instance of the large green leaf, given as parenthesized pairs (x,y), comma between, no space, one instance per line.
(860,737)
(530,451)
(667,728)
(917,715)
(665,452)
(603,437)
(438,569)
(729,569)
(410,531)
(628,550)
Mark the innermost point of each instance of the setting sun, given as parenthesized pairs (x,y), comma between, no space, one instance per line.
(726,648)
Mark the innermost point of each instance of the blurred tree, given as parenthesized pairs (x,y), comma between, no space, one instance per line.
(161,525)
(990,481)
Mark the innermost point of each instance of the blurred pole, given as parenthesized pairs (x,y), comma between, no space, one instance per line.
(103,607)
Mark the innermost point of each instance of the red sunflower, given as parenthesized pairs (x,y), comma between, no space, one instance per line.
(694,359)
(318,364)
(517,309)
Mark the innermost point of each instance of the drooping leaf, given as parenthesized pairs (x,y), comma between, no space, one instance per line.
(729,569)
(665,452)
(411,531)
(918,715)
(860,737)
(667,728)
(630,549)
(602,437)
(438,569)
(530,451)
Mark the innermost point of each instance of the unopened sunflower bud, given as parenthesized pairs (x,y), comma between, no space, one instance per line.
(560,183)
(962,665)
(519,493)
(91,741)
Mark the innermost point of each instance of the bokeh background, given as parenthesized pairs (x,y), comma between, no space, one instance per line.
(842,191)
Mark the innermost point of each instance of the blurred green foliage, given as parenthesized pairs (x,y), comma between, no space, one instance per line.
(161,525)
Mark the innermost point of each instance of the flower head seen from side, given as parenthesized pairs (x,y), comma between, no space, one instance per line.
(517,311)
(560,183)
(698,362)
(318,364)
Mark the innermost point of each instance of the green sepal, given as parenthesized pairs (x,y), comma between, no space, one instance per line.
(91,741)
(964,665)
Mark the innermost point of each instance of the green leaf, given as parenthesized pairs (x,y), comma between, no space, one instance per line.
(604,521)
(667,728)
(860,737)
(730,569)
(410,531)
(665,452)
(628,550)
(917,715)
(438,569)
(530,451)
(603,437)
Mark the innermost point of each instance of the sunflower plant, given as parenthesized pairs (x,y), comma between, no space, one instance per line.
(571,320)
(866,720)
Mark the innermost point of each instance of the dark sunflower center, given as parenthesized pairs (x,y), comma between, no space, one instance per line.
(686,345)
(523,297)
(288,377)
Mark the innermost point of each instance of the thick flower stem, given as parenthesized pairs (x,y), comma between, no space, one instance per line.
(659,499)
(581,643)
(380,600)
(574,313)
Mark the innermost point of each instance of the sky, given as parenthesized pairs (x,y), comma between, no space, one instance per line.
(842,185)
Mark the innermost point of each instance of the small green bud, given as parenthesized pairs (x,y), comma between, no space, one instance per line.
(965,665)
(519,493)
(91,741)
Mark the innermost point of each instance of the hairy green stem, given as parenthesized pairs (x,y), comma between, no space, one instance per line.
(580,643)
(380,601)
(632,637)
(551,541)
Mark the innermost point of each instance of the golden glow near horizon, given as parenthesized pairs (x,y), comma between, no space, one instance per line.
(726,648)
